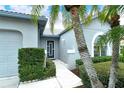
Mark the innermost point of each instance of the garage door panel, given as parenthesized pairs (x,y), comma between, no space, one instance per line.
(8,66)
(3,69)
(10,42)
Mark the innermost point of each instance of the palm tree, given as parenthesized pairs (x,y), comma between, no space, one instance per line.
(75,13)
(111,14)
(112,34)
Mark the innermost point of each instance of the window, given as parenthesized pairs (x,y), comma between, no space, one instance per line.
(99,50)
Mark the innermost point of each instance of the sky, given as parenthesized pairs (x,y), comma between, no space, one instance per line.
(27,10)
(16,8)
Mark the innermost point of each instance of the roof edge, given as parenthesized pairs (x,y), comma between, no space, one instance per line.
(70,28)
(19,15)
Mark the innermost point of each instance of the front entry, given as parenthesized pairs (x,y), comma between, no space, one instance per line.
(50,49)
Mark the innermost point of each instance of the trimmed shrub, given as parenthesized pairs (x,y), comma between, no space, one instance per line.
(101,59)
(121,58)
(96,59)
(31,62)
(50,69)
(31,55)
(30,72)
(103,74)
(84,76)
(79,62)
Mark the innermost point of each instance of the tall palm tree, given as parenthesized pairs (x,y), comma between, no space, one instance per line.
(75,13)
(111,14)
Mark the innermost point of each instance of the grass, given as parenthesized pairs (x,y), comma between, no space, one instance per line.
(103,70)
(104,67)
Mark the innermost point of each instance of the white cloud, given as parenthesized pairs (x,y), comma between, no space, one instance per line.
(45,11)
(58,27)
(2,7)
(24,9)
(122,21)
(27,9)
(21,8)
(59,22)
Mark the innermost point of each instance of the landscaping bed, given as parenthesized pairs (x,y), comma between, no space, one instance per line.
(31,65)
(96,59)
(103,74)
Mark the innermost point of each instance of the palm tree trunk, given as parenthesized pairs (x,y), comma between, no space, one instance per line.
(115,54)
(83,50)
(113,69)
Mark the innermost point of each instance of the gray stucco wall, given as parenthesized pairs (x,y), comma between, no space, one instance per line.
(68,41)
(92,31)
(29,38)
(26,27)
(43,44)
(68,49)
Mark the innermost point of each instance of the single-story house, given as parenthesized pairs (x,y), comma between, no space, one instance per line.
(17,31)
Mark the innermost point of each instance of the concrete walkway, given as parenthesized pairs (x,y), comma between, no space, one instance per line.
(49,83)
(9,82)
(64,79)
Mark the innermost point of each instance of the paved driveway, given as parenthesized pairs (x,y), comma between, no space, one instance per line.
(9,82)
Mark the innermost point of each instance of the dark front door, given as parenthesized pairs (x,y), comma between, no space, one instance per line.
(50,49)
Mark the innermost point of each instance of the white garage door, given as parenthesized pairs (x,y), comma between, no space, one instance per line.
(10,42)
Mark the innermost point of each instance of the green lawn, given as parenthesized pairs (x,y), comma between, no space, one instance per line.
(104,67)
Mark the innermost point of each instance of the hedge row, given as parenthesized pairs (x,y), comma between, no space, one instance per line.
(121,59)
(96,59)
(100,59)
(31,56)
(31,62)
(103,74)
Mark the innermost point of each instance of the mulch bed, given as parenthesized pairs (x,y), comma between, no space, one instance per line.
(76,72)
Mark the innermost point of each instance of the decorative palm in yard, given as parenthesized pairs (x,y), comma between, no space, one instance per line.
(111,14)
(72,14)
(116,33)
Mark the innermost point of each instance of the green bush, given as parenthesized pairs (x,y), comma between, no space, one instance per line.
(101,59)
(31,55)
(79,62)
(50,69)
(31,62)
(84,76)
(121,58)
(103,74)
(95,59)
(30,72)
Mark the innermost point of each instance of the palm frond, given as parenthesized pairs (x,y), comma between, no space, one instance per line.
(36,12)
(116,33)
(66,18)
(121,10)
(53,16)
(95,9)
(103,40)
(107,12)
(88,19)
(94,12)
(82,13)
